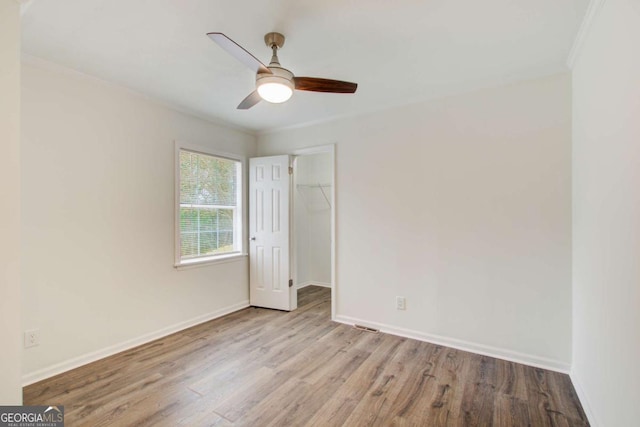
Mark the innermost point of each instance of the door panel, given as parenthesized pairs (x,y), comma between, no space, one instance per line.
(269,189)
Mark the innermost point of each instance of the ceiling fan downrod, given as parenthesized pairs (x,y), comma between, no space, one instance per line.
(274,41)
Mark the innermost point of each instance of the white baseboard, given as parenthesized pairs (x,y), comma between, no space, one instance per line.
(313,283)
(499,353)
(577,385)
(303,285)
(76,362)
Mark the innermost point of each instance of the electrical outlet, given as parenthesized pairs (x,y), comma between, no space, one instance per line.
(31,338)
(401,303)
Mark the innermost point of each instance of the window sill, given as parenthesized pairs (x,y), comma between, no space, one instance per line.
(205,262)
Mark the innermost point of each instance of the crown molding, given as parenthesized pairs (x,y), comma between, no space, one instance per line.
(589,17)
(24,5)
(54,67)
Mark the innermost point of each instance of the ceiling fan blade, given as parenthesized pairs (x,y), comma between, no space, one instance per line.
(239,52)
(250,101)
(315,84)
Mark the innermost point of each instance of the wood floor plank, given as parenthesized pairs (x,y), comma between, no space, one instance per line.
(301,366)
(510,379)
(538,396)
(238,359)
(398,376)
(324,375)
(259,367)
(563,393)
(420,389)
(306,403)
(445,409)
(336,410)
(480,393)
(510,411)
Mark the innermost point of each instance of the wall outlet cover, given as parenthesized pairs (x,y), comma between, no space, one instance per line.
(31,338)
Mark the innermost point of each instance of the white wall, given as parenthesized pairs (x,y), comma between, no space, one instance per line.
(606,216)
(313,219)
(10,326)
(98,219)
(463,206)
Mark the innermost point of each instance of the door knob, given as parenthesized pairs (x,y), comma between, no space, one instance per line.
(253,238)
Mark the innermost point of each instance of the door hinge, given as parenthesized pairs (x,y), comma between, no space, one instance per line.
(291,283)
(290,170)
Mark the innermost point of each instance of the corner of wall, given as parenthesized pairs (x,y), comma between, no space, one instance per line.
(10,201)
(592,11)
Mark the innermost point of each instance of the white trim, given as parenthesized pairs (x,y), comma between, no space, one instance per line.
(589,17)
(76,362)
(413,101)
(321,284)
(24,5)
(303,284)
(204,262)
(577,385)
(318,149)
(498,353)
(240,223)
(47,65)
(331,149)
(313,283)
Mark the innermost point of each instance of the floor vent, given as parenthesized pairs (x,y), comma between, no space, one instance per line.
(366,329)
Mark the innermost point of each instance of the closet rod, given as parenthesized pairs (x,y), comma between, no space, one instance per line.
(319,186)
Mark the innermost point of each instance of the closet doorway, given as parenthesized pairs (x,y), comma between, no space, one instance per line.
(313,214)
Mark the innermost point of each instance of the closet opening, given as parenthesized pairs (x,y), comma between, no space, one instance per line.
(313,228)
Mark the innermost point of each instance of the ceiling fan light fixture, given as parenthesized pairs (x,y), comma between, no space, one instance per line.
(274,92)
(274,88)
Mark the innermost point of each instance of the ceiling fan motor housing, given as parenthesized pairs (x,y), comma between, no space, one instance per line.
(280,75)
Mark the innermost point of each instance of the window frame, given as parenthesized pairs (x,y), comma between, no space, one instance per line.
(239,218)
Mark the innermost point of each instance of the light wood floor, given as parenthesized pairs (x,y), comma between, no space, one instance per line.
(261,367)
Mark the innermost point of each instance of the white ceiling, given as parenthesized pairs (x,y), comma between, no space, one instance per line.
(397,51)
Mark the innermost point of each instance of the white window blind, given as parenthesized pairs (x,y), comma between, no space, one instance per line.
(209,205)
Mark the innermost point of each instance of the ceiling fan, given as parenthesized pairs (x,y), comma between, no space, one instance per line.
(274,83)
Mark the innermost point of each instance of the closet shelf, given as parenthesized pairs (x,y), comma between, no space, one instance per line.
(318,186)
(313,185)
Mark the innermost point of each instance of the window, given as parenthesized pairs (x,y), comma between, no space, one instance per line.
(209,209)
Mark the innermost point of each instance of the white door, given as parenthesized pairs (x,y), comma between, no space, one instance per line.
(269,274)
